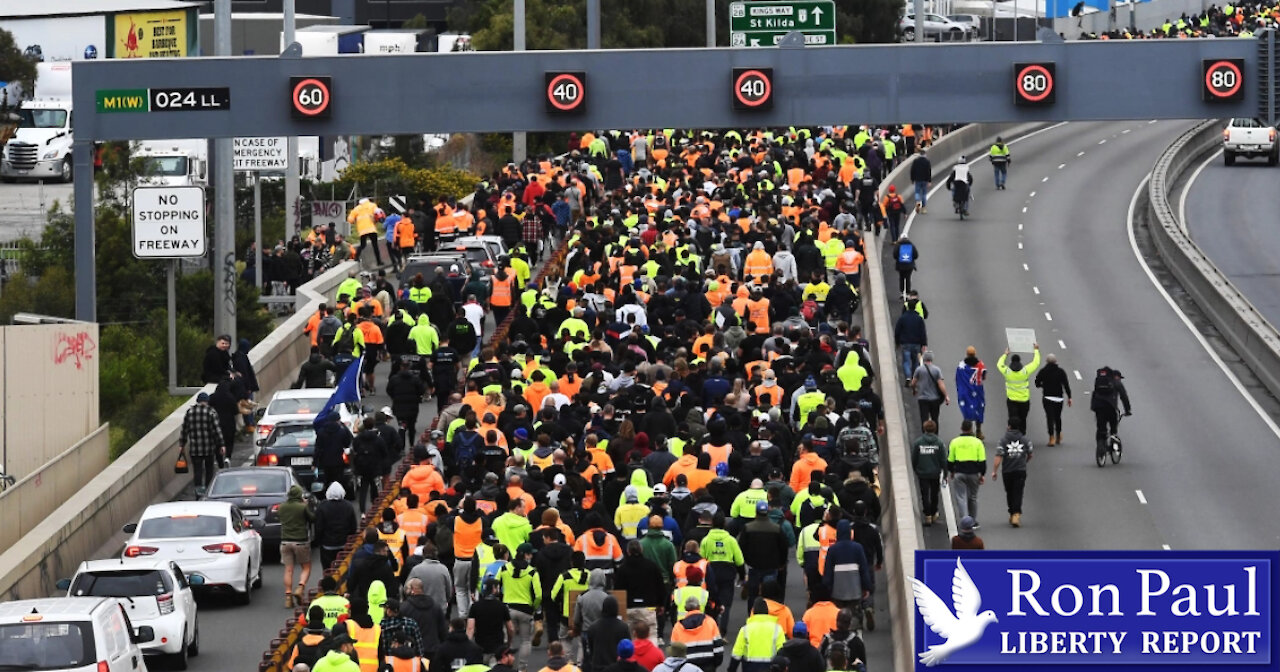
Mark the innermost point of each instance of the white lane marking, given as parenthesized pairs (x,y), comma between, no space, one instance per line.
(1153,121)
(1125,131)
(1019,246)
(1186,321)
(1036,290)
(1079,154)
(911,218)
(1019,227)
(1061,166)
(1047,316)
(1026,267)
(1024,209)
(1141,497)
(948,508)
(1061,344)
(1102,141)
(1046,179)
(1165,547)
(1078,377)
(1033,195)
(1182,199)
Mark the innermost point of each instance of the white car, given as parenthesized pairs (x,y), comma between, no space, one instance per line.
(301,405)
(152,592)
(212,540)
(497,248)
(936,27)
(70,634)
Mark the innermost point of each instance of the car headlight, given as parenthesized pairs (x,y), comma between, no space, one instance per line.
(51,154)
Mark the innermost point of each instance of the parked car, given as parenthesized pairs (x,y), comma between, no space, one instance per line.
(211,539)
(259,492)
(1250,138)
(292,444)
(935,27)
(152,592)
(71,634)
(304,404)
(973,21)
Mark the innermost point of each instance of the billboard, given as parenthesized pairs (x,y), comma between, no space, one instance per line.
(65,38)
(152,34)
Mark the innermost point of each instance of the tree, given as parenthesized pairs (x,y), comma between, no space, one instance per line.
(418,22)
(14,66)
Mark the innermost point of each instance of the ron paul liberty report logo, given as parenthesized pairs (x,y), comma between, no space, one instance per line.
(1096,610)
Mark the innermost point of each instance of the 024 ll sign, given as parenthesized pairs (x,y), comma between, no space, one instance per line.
(1096,610)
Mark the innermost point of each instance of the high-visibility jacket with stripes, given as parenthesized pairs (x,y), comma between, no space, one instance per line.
(680,596)
(366,645)
(1017,385)
(701,635)
(414,664)
(758,642)
(601,555)
(678,571)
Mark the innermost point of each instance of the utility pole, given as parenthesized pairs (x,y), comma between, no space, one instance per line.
(519,139)
(593,24)
(292,205)
(711,24)
(224,224)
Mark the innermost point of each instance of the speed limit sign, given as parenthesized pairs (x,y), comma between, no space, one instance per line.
(1034,83)
(752,88)
(1223,79)
(566,92)
(310,97)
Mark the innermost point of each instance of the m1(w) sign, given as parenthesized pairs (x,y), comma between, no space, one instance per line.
(168,222)
(249,154)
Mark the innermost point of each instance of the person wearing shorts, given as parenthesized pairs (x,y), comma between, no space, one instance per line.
(296,518)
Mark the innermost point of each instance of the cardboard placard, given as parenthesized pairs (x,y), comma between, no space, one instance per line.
(1021,340)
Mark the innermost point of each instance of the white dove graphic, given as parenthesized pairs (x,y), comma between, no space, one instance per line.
(960,630)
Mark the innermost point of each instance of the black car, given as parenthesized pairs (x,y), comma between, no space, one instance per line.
(259,492)
(293,445)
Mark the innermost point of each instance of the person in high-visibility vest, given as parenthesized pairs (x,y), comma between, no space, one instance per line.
(557,661)
(365,634)
(413,522)
(502,294)
(339,657)
(1017,382)
(758,641)
(724,558)
(333,604)
(690,593)
(699,634)
(522,593)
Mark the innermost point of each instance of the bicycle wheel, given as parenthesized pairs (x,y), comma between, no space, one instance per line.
(1100,455)
(1116,449)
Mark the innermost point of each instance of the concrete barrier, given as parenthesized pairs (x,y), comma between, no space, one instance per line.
(34,497)
(900,520)
(77,529)
(1244,328)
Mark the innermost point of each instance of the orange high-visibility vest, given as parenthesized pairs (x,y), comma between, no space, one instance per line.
(768,395)
(366,645)
(413,523)
(849,261)
(826,538)
(466,536)
(502,290)
(405,664)
(759,311)
(679,572)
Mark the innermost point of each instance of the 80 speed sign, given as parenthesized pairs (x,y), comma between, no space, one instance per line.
(1034,83)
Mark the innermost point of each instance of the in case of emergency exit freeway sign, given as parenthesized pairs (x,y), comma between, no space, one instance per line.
(762,24)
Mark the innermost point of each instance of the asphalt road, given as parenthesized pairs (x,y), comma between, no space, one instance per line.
(23,206)
(1228,214)
(1053,253)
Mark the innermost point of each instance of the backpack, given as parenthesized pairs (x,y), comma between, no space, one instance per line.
(860,441)
(468,445)
(906,252)
(346,344)
(895,203)
(810,311)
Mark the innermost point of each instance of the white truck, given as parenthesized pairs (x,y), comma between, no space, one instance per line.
(1250,138)
(41,147)
(172,163)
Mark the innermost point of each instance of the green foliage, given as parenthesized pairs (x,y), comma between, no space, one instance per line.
(418,22)
(394,176)
(14,67)
(50,294)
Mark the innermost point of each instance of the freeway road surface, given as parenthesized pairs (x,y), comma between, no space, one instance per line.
(1230,214)
(1053,253)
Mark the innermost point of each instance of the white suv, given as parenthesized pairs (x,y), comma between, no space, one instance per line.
(152,592)
(936,28)
(70,634)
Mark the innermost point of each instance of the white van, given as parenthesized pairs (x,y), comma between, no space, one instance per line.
(70,634)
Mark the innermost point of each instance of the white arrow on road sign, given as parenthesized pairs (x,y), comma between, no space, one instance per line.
(755,43)
(817,16)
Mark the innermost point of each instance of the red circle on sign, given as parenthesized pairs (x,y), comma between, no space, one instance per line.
(1219,66)
(565,79)
(310,111)
(1028,95)
(764,97)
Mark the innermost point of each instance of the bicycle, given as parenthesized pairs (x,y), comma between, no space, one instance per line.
(6,481)
(1112,445)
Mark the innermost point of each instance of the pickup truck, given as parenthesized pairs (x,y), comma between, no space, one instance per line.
(1249,138)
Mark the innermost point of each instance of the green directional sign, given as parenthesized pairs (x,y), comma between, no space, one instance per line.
(122,100)
(802,15)
(770,38)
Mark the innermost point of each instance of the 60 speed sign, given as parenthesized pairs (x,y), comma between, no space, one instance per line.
(1223,80)
(752,88)
(1034,83)
(566,92)
(310,97)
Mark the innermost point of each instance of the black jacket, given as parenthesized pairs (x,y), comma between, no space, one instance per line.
(910,329)
(604,635)
(367,567)
(312,373)
(217,363)
(643,581)
(332,438)
(921,169)
(405,389)
(764,546)
(1053,380)
(431,620)
(335,521)
(803,656)
(456,651)
(368,452)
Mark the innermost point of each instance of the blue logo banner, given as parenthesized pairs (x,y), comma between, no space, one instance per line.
(1096,610)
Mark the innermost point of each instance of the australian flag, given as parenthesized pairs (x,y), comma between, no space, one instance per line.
(969,390)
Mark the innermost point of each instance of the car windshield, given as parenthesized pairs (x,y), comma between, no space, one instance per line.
(249,483)
(296,406)
(293,435)
(42,118)
(46,646)
(164,166)
(177,527)
(121,583)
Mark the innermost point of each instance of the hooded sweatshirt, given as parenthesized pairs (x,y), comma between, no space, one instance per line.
(377,598)
(605,634)
(803,655)
(647,654)
(847,573)
(591,603)
(1015,449)
(294,517)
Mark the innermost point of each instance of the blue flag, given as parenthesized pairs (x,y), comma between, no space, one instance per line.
(347,391)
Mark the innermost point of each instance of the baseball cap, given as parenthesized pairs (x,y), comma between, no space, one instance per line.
(626,649)
(203,396)
(521,433)
(559,479)
(762,506)
(659,489)
(800,630)
(810,383)
(524,548)
(966,524)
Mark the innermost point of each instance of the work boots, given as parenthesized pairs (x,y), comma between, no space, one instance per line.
(1015,520)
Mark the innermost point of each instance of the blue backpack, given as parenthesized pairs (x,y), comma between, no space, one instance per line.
(467,446)
(906,252)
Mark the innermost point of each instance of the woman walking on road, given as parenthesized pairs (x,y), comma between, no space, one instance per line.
(971,376)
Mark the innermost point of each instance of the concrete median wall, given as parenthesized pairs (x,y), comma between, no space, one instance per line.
(76,530)
(900,521)
(1254,339)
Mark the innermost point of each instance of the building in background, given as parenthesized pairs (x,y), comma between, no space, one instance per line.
(375,13)
(73,30)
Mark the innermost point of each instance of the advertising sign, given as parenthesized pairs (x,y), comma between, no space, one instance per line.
(151,34)
(1095,610)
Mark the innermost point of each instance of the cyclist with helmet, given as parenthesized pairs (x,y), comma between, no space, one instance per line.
(959,182)
(1108,395)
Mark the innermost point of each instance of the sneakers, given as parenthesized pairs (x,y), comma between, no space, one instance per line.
(1052,441)
(928,521)
(1016,520)
(977,525)
(924,210)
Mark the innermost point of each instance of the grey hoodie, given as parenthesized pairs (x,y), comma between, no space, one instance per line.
(1014,448)
(591,603)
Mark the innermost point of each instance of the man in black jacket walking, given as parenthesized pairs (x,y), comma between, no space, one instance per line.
(1053,380)
(764,549)
(910,334)
(406,388)
(922,178)
(335,521)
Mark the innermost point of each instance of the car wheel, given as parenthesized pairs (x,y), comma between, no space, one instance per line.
(1273,158)
(178,661)
(193,649)
(1229,158)
(257,582)
(67,174)
(247,596)
(957,35)
(909,35)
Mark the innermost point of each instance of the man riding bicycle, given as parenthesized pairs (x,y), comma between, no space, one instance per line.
(959,182)
(1108,395)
